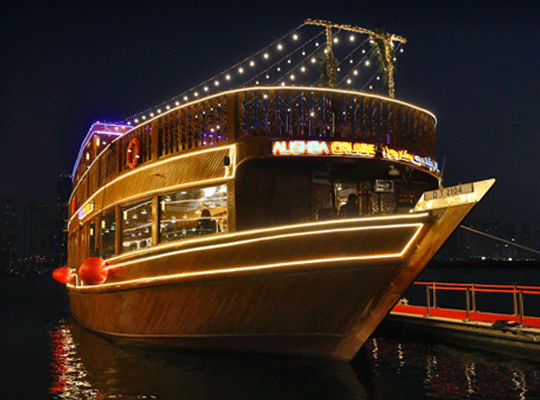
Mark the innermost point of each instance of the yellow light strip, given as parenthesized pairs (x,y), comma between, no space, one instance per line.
(264,266)
(238,269)
(231,148)
(233,235)
(268,238)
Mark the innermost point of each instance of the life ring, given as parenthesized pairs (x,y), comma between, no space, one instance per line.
(133,154)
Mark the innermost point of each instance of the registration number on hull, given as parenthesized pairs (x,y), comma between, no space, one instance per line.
(449,191)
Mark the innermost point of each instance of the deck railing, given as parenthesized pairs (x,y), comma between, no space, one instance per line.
(298,113)
(472,289)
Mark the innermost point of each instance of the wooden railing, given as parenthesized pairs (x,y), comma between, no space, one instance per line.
(300,113)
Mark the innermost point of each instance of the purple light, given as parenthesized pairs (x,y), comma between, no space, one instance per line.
(102,129)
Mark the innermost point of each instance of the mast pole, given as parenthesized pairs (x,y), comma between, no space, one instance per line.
(387,38)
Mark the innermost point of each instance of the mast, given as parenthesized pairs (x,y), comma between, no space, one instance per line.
(387,39)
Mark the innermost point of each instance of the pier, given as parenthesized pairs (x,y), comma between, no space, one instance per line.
(468,326)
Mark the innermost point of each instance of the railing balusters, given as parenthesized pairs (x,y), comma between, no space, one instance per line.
(305,113)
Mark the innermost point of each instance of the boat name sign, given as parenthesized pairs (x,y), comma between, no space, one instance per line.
(353,149)
(449,191)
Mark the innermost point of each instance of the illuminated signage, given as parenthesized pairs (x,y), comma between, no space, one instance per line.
(87,209)
(316,147)
(351,149)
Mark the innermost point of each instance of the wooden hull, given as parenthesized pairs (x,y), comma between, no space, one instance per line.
(318,288)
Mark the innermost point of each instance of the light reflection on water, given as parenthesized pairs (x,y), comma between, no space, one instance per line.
(87,366)
(442,371)
(56,358)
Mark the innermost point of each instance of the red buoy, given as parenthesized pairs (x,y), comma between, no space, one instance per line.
(93,271)
(63,275)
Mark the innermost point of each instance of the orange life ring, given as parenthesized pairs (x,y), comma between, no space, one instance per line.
(133,154)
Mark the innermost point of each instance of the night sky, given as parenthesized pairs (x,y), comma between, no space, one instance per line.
(474,64)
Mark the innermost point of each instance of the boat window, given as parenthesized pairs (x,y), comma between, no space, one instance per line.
(192,212)
(92,240)
(137,225)
(108,229)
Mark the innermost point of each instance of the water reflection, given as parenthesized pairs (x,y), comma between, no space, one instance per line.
(87,366)
(439,371)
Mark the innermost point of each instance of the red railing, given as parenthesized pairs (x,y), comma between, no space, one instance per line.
(471,289)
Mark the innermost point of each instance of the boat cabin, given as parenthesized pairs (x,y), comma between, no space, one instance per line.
(250,158)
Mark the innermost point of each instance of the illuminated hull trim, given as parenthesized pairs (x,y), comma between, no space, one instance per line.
(260,241)
(309,225)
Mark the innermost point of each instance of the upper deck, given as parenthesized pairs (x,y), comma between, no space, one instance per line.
(273,112)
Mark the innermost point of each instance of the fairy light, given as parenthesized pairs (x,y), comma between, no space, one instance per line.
(280,47)
(352,38)
(252,63)
(292,77)
(216,83)
(185,98)
(303,69)
(228,77)
(295,37)
(313,60)
(355,72)
(266,56)
(241,70)
(367,63)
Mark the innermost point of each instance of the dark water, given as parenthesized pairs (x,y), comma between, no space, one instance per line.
(46,355)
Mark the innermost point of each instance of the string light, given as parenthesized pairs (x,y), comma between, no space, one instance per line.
(297,58)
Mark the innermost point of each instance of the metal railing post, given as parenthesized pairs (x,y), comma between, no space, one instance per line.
(434,296)
(521,311)
(473,297)
(427,300)
(467,301)
(515,301)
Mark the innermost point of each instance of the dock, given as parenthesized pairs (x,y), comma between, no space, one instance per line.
(468,327)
